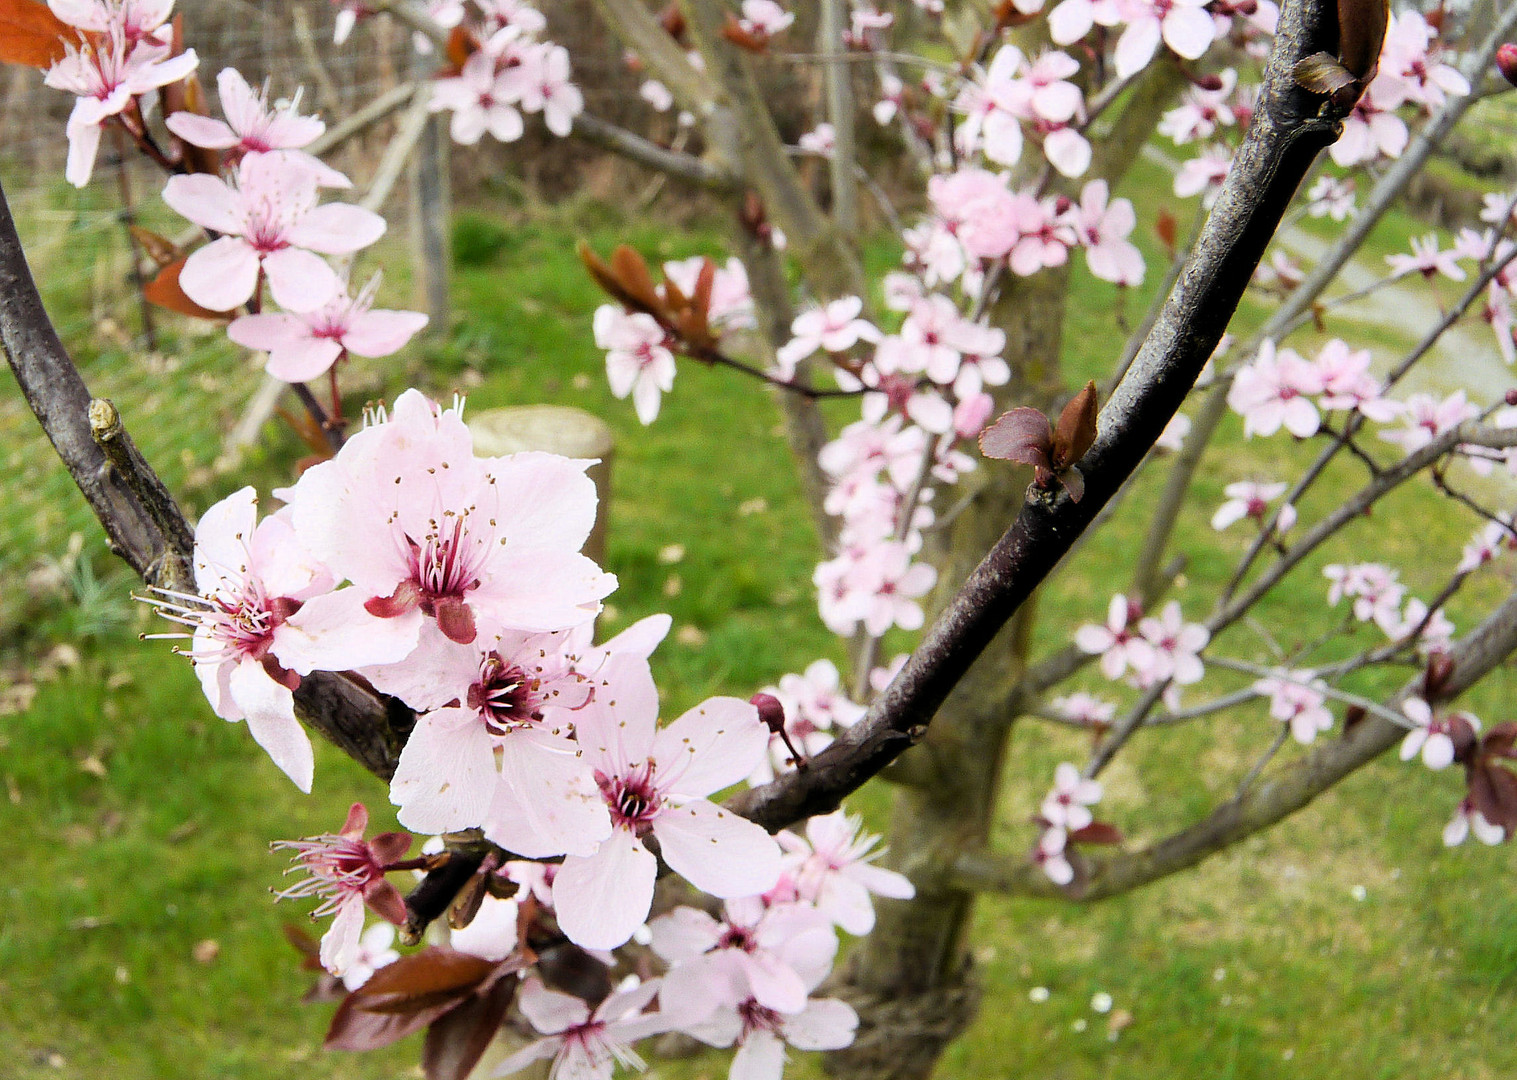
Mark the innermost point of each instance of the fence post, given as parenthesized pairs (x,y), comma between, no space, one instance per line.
(431,210)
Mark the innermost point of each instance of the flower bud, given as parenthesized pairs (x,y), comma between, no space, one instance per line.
(1506,62)
(1511,396)
(1211,82)
(770,711)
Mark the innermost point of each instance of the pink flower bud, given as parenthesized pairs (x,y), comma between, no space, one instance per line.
(770,711)
(1209,82)
(1511,396)
(1506,62)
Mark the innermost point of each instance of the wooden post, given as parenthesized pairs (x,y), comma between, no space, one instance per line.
(557,429)
(431,211)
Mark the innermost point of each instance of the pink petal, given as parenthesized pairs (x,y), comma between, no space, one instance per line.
(601,900)
(337,229)
(761,1057)
(222,275)
(207,201)
(202,131)
(713,746)
(1137,46)
(826,1024)
(334,632)
(224,538)
(339,945)
(380,333)
(550,1011)
(270,715)
(547,803)
(717,851)
(446,777)
(298,280)
(552,502)
(303,359)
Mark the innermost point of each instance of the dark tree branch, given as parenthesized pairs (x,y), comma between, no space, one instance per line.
(1290,128)
(142,523)
(633,147)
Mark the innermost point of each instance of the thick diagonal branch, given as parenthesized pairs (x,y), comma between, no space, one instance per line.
(1290,128)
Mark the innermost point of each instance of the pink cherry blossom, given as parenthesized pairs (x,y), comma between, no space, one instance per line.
(1426,259)
(656,781)
(1348,384)
(501,758)
(1203,175)
(731,306)
(1173,436)
(833,867)
(375,950)
(585,1045)
(764,18)
(422,528)
(1176,645)
(1183,25)
(761,1034)
(133,19)
(1432,735)
(819,141)
(270,226)
(1374,588)
(1201,111)
(250,125)
(1117,643)
(1103,229)
(814,704)
(1468,820)
(1049,853)
(483,98)
(106,74)
(774,954)
(1073,19)
(1373,129)
(638,360)
(1248,499)
(260,622)
(1490,539)
(1086,709)
(302,347)
(1426,418)
(1296,699)
(1067,806)
(1408,57)
(1332,196)
(493,933)
(1272,392)
(835,328)
(543,76)
(348,873)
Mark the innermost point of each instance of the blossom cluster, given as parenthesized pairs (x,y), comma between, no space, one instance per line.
(509,71)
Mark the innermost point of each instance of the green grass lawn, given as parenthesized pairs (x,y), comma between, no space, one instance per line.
(1346,943)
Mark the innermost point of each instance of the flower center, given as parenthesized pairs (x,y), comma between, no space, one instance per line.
(505,696)
(633,799)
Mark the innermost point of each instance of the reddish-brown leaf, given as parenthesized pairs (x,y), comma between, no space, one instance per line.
(1076,430)
(461,45)
(1493,790)
(1361,33)
(1324,74)
(733,31)
(305,944)
(1021,435)
(164,291)
(159,248)
(31,34)
(355,1029)
(1167,226)
(631,271)
(459,1037)
(1097,832)
(1500,741)
(1073,481)
(672,19)
(422,980)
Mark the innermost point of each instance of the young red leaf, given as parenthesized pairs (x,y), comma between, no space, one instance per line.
(417,982)
(31,34)
(1097,832)
(632,272)
(1361,33)
(354,1029)
(1493,790)
(1498,742)
(159,248)
(459,1037)
(733,31)
(1076,430)
(1167,227)
(1324,74)
(1021,435)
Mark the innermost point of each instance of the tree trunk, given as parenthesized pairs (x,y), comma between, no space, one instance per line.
(912,978)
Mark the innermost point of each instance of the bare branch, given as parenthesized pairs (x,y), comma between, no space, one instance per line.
(840,113)
(633,147)
(640,31)
(1291,788)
